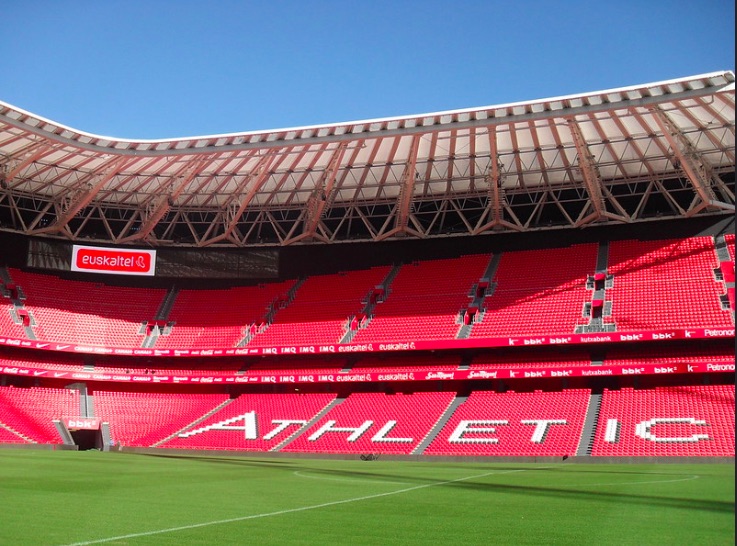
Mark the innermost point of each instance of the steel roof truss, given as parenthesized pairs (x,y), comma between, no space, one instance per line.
(256,179)
(156,209)
(697,169)
(35,152)
(320,198)
(74,201)
(406,191)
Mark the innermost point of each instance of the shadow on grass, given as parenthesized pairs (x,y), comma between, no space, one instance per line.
(578,492)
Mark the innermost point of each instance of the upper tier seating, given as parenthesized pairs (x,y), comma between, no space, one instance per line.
(665,284)
(143,418)
(666,421)
(424,301)
(87,313)
(652,285)
(319,314)
(218,318)
(227,428)
(469,430)
(377,423)
(31,411)
(538,292)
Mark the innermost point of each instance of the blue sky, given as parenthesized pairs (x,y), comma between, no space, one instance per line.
(161,69)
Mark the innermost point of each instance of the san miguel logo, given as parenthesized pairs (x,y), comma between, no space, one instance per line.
(116,261)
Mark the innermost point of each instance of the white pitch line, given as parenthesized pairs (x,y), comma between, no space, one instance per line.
(289,511)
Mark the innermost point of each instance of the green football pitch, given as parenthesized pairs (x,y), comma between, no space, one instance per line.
(64,498)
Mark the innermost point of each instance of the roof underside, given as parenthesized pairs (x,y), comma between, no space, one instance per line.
(660,150)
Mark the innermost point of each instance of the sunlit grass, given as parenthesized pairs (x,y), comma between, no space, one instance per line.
(122,498)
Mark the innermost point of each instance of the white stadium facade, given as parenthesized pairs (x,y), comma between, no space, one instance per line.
(598,225)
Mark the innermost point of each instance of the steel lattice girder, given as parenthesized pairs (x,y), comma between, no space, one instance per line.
(616,156)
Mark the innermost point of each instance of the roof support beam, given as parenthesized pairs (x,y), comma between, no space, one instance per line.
(320,199)
(697,169)
(591,179)
(497,198)
(256,179)
(589,173)
(406,192)
(158,211)
(36,152)
(83,199)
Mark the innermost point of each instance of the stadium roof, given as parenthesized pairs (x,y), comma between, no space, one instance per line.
(658,150)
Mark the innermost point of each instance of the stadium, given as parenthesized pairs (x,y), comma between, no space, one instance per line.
(539,283)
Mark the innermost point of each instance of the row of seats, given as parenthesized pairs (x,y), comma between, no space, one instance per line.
(320,310)
(28,413)
(424,301)
(666,284)
(656,285)
(218,318)
(86,313)
(538,292)
(686,421)
(661,421)
(141,419)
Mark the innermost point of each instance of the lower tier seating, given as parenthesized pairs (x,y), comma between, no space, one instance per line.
(663,421)
(666,421)
(31,412)
(142,419)
(253,422)
(515,424)
(374,423)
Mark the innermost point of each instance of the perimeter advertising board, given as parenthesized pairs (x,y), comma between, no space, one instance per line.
(113,261)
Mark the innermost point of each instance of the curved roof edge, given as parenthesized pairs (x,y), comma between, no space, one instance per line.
(722,80)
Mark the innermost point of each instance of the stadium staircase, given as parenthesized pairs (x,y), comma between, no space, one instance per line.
(720,245)
(106,436)
(377,294)
(589,426)
(19,315)
(64,434)
(444,418)
(479,291)
(160,325)
(167,304)
(274,307)
(598,310)
(86,402)
(725,272)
